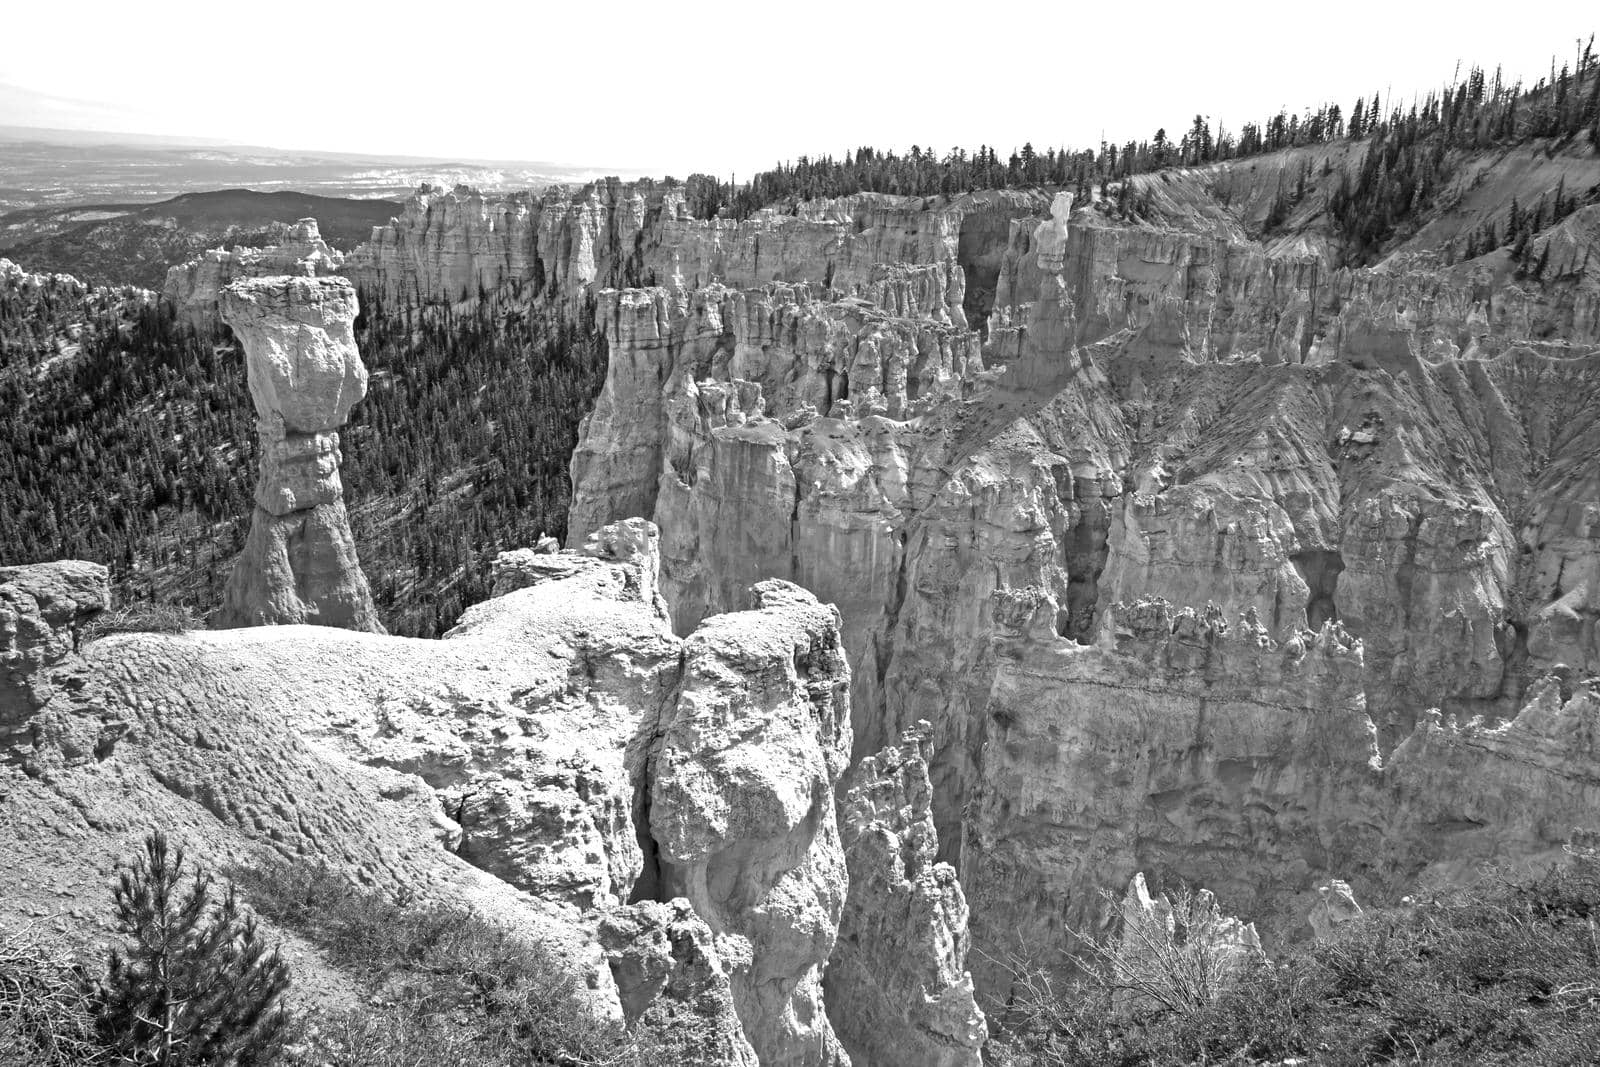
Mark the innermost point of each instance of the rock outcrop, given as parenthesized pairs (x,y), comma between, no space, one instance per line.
(898,990)
(741,807)
(299,563)
(194,289)
(658,813)
(1335,906)
(44,612)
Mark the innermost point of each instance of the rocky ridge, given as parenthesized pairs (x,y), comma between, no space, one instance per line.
(657,812)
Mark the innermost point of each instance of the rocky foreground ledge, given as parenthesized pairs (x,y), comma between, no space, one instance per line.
(657,812)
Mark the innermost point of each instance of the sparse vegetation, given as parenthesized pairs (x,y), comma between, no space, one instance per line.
(1500,972)
(441,985)
(195,983)
(143,616)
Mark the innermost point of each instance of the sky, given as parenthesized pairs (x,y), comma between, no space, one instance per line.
(731,88)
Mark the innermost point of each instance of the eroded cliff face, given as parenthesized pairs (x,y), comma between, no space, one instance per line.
(1361,494)
(454,245)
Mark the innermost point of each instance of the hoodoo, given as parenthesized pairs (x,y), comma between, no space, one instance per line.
(299,564)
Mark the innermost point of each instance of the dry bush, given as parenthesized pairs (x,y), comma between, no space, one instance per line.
(1505,971)
(46,1011)
(142,617)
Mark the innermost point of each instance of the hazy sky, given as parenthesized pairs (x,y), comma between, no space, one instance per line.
(731,87)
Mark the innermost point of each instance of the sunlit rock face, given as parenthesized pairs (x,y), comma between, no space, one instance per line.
(1360,494)
(194,289)
(299,564)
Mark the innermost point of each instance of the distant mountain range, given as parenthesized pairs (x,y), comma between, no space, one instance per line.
(134,244)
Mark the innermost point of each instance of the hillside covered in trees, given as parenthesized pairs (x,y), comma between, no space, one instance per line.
(135,445)
(1408,159)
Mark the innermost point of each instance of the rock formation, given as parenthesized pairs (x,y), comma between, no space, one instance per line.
(1174,549)
(299,563)
(897,989)
(194,289)
(658,812)
(1200,552)
(1335,906)
(741,807)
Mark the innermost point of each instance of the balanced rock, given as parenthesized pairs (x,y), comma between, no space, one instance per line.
(299,564)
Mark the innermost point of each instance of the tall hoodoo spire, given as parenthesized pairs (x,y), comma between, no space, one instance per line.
(299,564)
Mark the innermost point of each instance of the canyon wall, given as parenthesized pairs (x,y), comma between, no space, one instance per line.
(1173,532)
(1327,499)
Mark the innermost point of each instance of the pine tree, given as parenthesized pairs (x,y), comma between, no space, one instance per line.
(195,985)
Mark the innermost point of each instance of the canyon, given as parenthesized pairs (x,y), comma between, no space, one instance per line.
(938,571)
(1180,537)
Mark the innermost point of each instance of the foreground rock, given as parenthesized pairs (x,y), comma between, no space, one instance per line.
(655,812)
(741,806)
(299,564)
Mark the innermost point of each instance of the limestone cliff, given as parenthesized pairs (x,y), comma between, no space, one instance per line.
(299,563)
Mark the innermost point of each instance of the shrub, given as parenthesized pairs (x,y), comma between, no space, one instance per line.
(142,617)
(1500,972)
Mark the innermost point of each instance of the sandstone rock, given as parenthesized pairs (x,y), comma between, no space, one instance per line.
(674,973)
(897,987)
(1175,411)
(741,807)
(43,611)
(195,288)
(299,563)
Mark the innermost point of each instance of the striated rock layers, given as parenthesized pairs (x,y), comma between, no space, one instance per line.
(299,563)
(657,813)
(1174,551)
(451,245)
